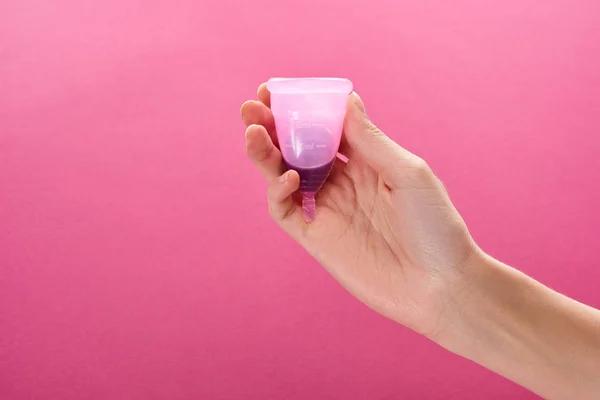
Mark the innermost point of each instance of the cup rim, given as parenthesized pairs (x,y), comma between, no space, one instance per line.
(309,85)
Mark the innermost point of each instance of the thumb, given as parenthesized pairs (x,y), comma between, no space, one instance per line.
(373,146)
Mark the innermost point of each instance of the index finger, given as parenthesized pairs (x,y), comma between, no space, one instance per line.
(264,95)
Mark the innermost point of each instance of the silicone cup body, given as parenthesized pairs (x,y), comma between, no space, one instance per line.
(309,116)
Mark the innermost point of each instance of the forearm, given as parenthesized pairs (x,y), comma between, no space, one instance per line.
(515,326)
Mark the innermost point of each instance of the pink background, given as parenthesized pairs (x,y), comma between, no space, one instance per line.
(137,257)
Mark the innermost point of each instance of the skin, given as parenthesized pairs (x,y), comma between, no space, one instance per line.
(388,232)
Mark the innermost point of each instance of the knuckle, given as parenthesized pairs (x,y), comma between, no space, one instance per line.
(372,129)
(261,153)
(420,166)
(273,212)
(272,209)
(279,210)
(420,170)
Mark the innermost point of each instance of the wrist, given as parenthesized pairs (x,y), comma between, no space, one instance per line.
(519,328)
(474,302)
(488,324)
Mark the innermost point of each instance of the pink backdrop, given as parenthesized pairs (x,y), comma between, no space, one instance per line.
(137,257)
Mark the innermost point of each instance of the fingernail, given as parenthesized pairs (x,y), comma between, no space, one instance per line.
(284,177)
(358,102)
(242,108)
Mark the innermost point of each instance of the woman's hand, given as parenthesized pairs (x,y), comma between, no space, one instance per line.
(385,227)
(387,231)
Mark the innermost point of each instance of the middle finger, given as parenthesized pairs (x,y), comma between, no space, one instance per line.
(256,113)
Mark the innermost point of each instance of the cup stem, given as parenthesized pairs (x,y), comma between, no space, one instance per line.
(309,208)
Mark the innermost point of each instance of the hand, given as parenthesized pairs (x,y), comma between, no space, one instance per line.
(387,231)
(385,227)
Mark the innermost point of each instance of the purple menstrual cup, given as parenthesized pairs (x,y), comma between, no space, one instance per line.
(309,117)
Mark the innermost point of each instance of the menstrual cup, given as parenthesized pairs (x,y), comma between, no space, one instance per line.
(309,116)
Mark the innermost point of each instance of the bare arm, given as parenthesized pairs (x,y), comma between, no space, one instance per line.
(530,334)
